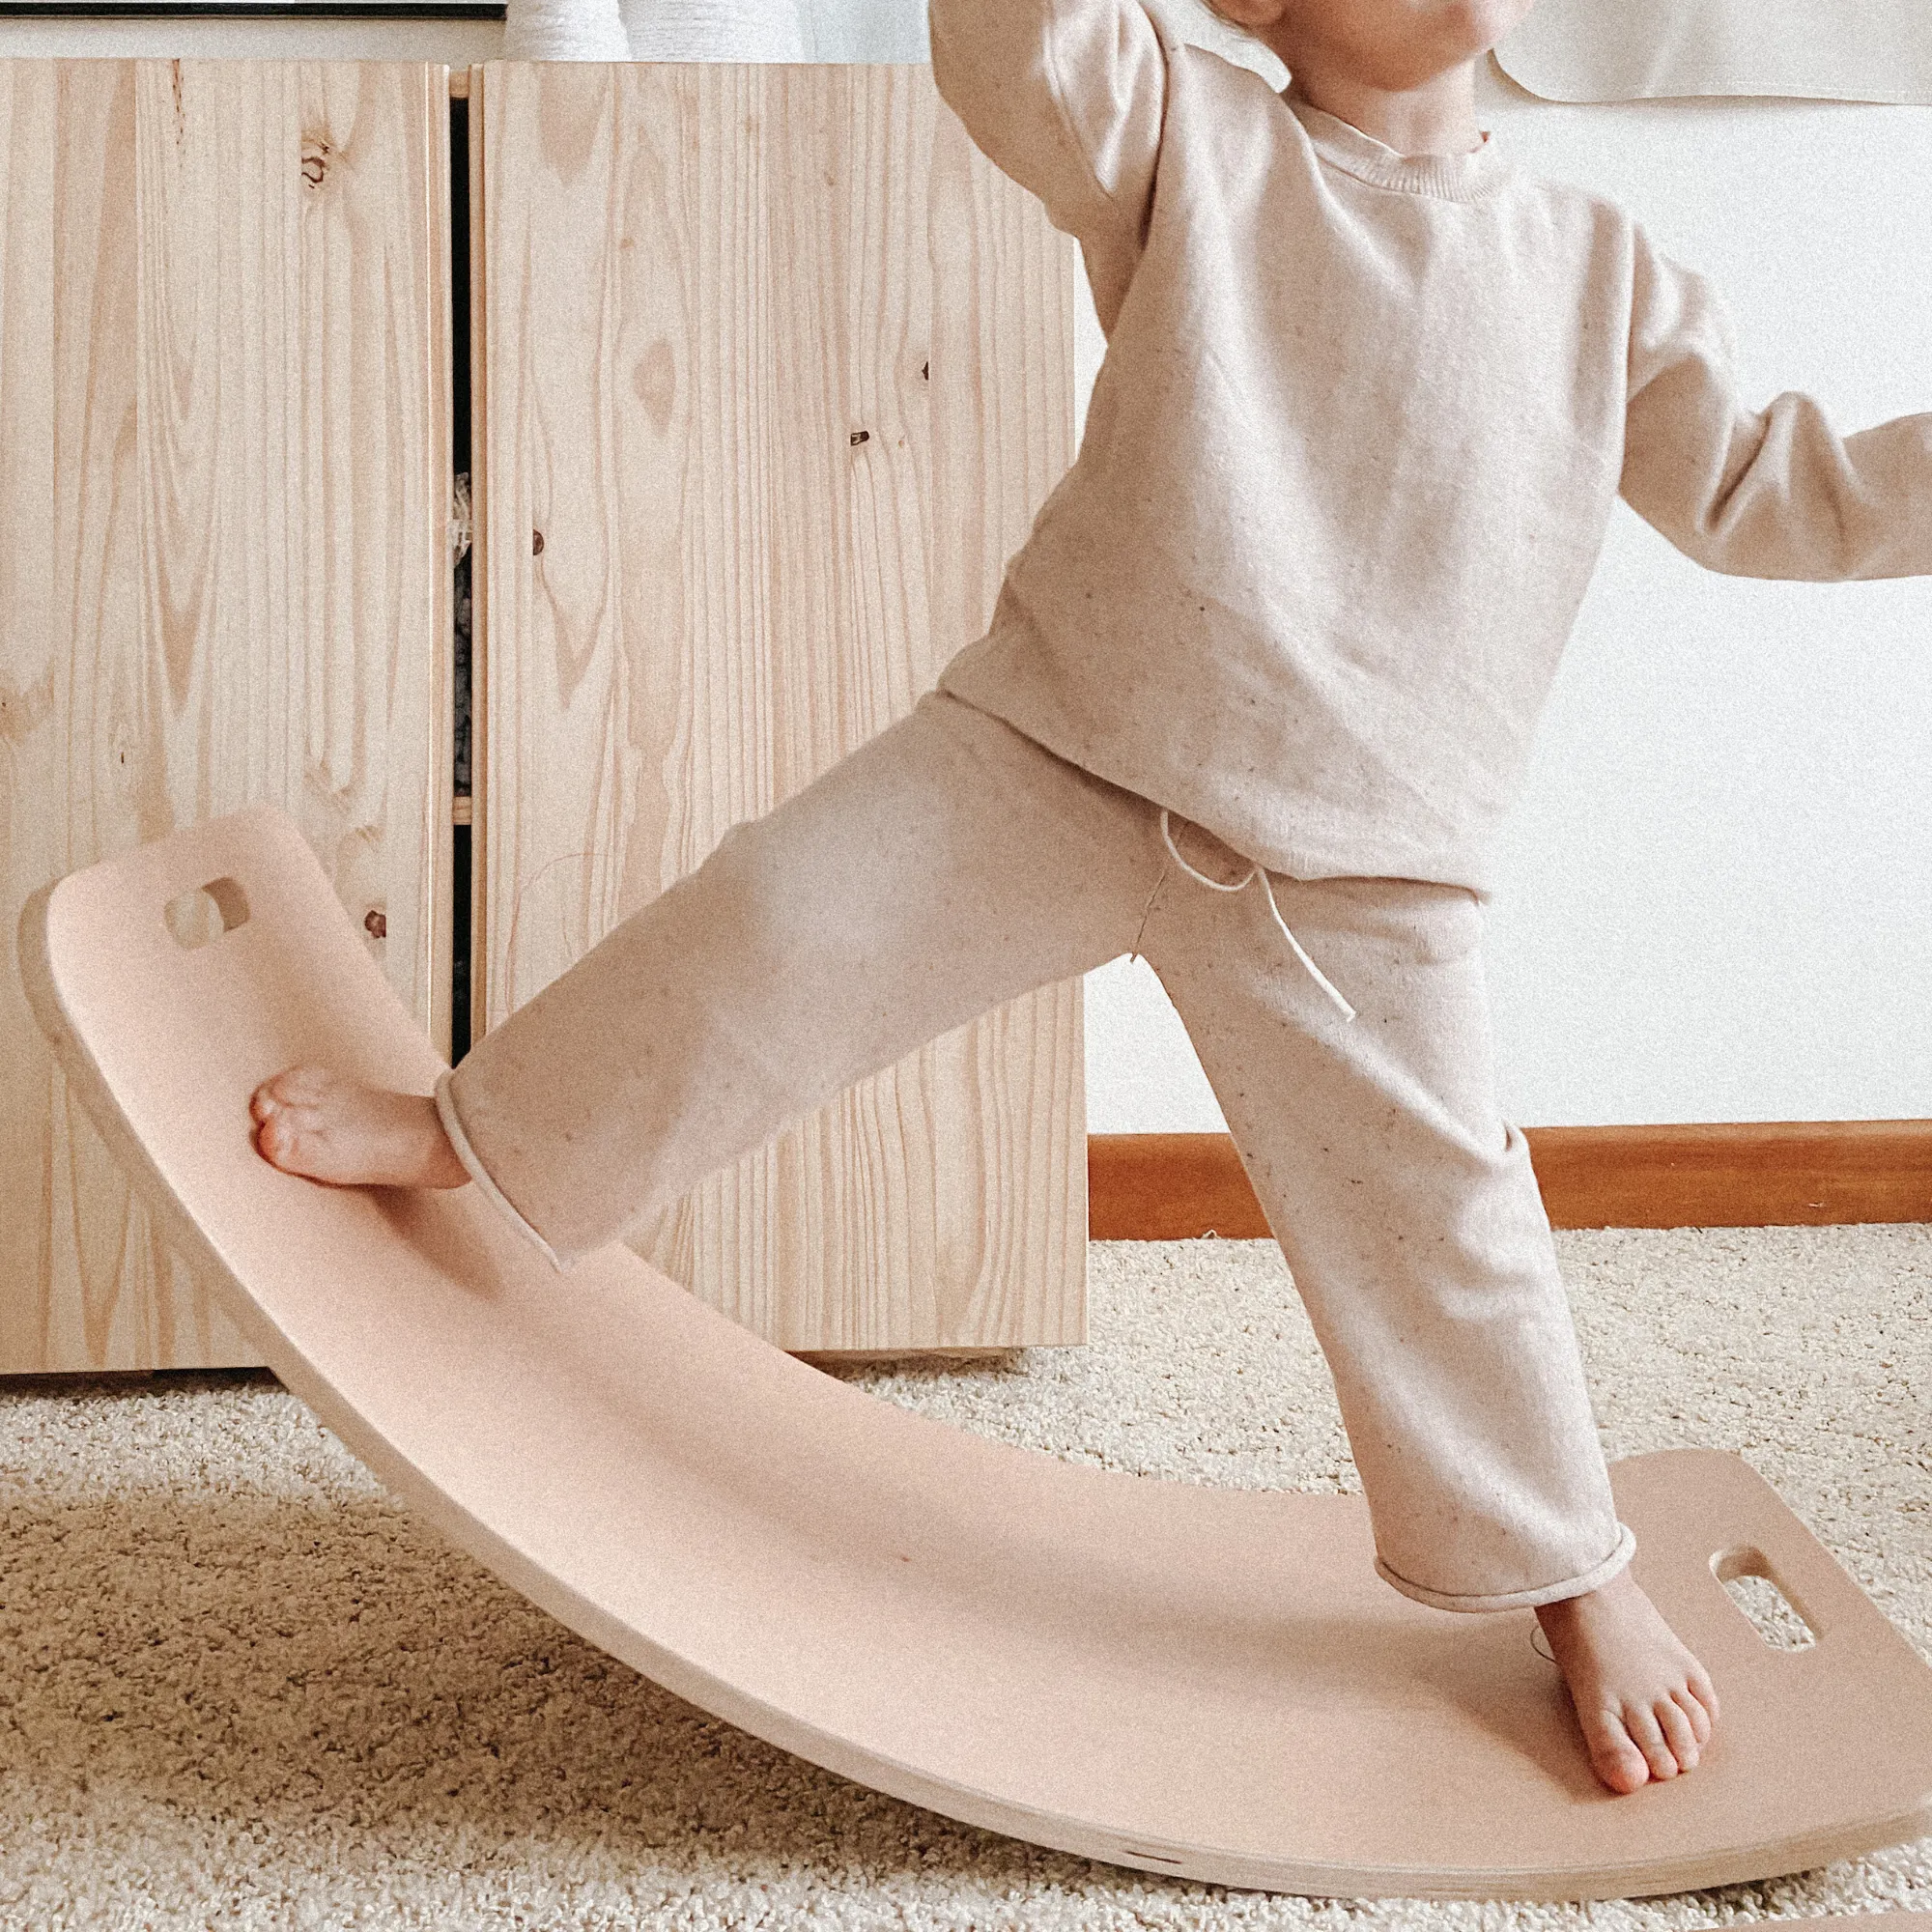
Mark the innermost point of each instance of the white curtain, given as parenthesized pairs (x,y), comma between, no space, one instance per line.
(551,30)
(654,30)
(1649,50)
(716,30)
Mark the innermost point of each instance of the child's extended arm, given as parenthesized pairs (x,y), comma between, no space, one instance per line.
(1769,493)
(1065,95)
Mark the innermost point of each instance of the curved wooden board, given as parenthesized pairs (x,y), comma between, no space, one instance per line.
(1847,1922)
(1868,1922)
(1186,1679)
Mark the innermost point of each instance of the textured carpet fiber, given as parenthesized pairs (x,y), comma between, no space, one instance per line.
(240,1686)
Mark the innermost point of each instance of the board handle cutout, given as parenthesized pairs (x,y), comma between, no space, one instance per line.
(1761,1596)
(199,917)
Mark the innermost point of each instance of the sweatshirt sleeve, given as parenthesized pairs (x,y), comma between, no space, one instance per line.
(1065,95)
(1768,493)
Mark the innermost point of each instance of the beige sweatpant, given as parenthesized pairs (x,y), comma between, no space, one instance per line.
(951,863)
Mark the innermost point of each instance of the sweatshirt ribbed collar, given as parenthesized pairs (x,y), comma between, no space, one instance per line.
(1451,177)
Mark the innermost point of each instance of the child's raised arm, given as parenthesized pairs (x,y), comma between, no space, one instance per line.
(1769,493)
(1065,95)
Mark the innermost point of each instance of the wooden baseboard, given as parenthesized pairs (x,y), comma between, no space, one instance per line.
(1757,1173)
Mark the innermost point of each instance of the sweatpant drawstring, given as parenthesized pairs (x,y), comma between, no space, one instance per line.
(1257,872)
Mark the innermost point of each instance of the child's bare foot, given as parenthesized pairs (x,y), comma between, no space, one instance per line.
(331,1128)
(1644,1702)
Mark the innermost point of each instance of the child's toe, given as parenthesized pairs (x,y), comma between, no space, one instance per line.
(1648,1737)
(1617,1760)
(1696,1713)
(1704,1692)
(283,1139)
(1678,1734)
(298,1086)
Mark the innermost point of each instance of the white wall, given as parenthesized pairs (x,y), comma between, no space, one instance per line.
(1719,901)
(1715,897)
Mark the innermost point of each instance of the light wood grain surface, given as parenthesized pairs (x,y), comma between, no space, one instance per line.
(224,487)
(773,372)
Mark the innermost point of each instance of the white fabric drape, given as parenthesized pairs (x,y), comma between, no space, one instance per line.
(654,30)
(556,30)
(716,30)
(1648,49)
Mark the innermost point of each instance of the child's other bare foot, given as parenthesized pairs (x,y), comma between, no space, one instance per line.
(1644,1702)
(331,1128)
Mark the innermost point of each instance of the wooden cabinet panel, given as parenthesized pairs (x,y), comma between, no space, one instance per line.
(224,564)
(773,371)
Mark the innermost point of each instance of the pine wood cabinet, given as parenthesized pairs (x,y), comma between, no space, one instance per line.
(224,564)
(770,371)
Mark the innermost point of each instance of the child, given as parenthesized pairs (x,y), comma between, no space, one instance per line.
(1369,397)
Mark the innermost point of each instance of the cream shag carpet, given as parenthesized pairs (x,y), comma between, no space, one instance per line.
(240,1686)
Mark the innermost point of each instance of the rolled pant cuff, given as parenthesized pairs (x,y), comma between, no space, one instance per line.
(1521,1600)
(445,1108)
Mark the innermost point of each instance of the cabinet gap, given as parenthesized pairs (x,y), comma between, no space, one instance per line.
(459,421)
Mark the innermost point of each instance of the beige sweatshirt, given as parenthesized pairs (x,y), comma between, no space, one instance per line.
(1350,460)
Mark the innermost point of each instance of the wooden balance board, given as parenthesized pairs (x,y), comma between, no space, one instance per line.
(1197,1680)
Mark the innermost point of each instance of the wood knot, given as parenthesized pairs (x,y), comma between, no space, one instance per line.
(316,153)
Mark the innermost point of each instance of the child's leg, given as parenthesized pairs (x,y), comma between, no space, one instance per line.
(944,866)
(1410,1218)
